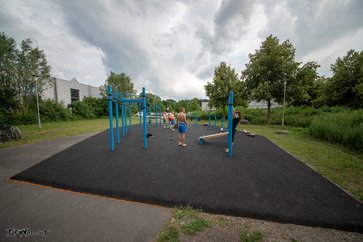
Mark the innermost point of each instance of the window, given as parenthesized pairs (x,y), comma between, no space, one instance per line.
(74,95)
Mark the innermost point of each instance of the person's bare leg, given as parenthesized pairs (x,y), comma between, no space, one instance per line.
(183,137)
(179,139)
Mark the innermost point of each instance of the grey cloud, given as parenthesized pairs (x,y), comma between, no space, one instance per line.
(122,52)
(231,22)
(318,23)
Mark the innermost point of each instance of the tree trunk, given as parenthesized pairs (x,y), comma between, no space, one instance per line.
(268,112)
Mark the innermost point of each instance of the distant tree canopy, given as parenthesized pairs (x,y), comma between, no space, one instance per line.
(304,87)
(121,83)
(345,87)
(225,80)
(21,71)
(268,69)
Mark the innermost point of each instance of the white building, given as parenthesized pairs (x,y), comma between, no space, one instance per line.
(68,91)
(205,106)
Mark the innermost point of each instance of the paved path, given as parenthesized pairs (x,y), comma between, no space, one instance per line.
(67,216)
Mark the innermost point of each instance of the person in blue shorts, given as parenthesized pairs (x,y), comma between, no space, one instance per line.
(182,126)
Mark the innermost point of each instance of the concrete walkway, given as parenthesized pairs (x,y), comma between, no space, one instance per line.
(56,215)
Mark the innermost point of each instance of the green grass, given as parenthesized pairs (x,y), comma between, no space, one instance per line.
(180,212)
(55,130)
(196,225)
(250,236)
(171,234)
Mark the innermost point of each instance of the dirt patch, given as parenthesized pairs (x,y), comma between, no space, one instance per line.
(227,228)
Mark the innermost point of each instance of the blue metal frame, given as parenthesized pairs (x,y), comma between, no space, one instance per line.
(208,119)
(130,116)
(117,125)
(123,101)
(144,116)
(222,122)
(112,144)
(230,123)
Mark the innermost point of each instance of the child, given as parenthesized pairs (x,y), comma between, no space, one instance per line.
(164,119)
(236,118)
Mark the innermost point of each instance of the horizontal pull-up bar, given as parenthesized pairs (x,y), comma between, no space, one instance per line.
(130,101)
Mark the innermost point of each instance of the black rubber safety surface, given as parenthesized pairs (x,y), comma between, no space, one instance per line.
(260,180)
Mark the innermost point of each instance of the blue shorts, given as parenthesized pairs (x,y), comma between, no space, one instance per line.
(172,121)
(182,128)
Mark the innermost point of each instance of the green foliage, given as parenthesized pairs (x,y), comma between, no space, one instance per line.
(180,212)
(268,69)
(171,234)
(21,72)
(346,86)
(121,83)
(81,110)
(51,111)
(225,80)
(99,106)
(190,105)
(248,236)
(345,128)
(196,225)
(305,89)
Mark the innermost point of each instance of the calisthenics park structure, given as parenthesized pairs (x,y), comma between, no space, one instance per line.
(230,128)
(124,102)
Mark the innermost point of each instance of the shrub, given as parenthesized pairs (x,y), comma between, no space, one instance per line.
(81,110)
(51,111)
(99,106)
(344,128)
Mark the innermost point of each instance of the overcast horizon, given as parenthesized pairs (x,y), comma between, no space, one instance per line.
(172,47)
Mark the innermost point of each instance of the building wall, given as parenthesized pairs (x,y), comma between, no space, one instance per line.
(61,90)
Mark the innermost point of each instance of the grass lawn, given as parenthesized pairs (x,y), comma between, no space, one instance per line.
(340,165)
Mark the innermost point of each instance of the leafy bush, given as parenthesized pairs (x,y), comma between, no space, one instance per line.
(344,128)
(52,111)
(81,110)
(98,105)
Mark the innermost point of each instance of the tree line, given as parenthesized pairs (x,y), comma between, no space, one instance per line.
(273,66)
(24,71)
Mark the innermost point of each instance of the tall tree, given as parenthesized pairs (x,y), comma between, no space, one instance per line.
(225,80)
(119,82)
(345,87)
(170,104)
(268,69)
(32,71)
(8,74)
(305,89)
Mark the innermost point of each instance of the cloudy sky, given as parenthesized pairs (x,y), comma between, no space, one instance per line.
(172,47)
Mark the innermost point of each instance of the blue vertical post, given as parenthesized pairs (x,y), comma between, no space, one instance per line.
(144,116)
(123,116)
(215,121)
(230,123)
(117,126)
(208,119)
(112,145)
(156,115)
(130,116)
(222,122)
(140,105)
(125,111)
(150,109)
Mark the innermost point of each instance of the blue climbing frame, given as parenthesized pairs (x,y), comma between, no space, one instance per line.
(230,123)
(122,98)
